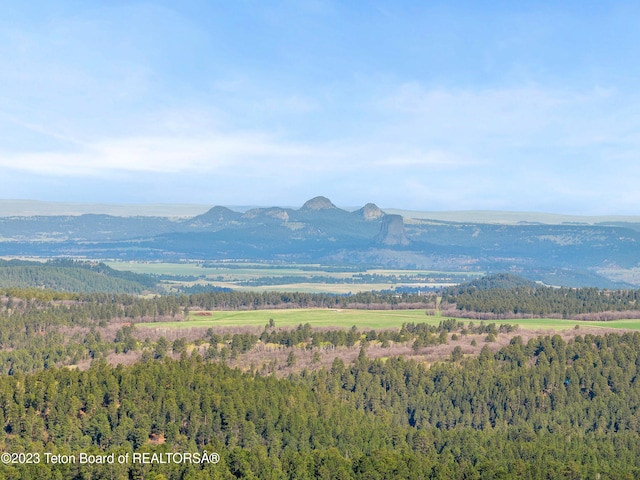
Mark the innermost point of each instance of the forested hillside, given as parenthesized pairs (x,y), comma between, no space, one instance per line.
(79,376)
(547,409)
(506,296)
(71,276)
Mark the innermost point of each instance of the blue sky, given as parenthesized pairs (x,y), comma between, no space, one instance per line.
(528,106)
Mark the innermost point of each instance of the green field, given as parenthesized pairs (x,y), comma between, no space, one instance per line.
(316,317)
(363,319)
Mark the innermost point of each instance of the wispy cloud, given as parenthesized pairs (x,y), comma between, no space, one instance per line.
(439,159)
(158,155)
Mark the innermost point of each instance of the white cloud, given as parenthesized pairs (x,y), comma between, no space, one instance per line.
(439,159)
(159,155)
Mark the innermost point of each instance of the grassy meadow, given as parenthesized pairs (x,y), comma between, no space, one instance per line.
(363,319)
(229,274)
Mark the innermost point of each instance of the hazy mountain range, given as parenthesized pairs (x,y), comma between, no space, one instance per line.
(602,251)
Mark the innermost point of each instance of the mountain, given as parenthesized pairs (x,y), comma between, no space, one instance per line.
(318,203)
(217,217)
(605,255)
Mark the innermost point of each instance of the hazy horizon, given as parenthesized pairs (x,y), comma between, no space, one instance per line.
(24,207)
(529,106)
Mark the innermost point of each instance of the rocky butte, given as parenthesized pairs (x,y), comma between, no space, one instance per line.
(392,231)
(602,253)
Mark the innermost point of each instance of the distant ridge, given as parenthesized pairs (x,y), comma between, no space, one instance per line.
(28,208)
(570,251)
(511,218)
(217,215)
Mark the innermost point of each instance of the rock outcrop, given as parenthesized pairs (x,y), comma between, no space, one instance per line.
(392,231)
(318,203)
(370,212)
(274,212)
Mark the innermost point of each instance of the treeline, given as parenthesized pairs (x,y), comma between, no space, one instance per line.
(539,300)
(504,302)
(421,334)
(293,266)
(359,278)
(497,296)
(259,300)
(502,281)
(544,409)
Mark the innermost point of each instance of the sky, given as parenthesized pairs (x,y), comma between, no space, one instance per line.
(434,106)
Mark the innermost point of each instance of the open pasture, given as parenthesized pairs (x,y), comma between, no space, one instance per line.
(316,317)
(363,319)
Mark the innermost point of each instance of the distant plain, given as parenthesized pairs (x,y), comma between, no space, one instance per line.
(298,278)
